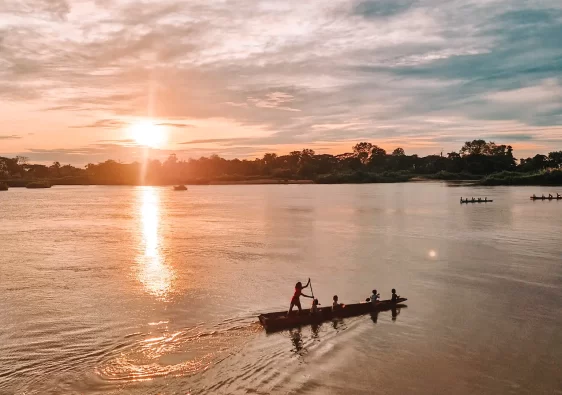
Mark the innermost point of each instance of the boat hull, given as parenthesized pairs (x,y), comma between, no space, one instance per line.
(476,201)
(281,320)
(545,198)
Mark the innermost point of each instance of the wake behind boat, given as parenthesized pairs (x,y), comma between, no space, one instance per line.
(282,320)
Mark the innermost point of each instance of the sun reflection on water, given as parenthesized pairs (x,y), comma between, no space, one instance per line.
(154,273)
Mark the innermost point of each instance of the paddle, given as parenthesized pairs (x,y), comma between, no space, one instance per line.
(311,291)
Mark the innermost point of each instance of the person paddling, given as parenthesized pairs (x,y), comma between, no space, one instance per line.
(295,301)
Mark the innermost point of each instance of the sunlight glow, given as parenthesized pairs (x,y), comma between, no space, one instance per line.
(148,134)
(432,253)
(154,274)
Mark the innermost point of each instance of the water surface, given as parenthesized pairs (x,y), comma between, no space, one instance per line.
(118,290)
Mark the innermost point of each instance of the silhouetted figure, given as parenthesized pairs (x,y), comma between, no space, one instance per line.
(550,195)
(394,296)
(295,301)
(335,305)
(374,297)
(479,200)
(314,308)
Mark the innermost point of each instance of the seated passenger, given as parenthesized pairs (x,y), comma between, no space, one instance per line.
(374,297)
(335,304)
(314,309)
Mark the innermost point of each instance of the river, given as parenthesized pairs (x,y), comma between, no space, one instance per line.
(143,290)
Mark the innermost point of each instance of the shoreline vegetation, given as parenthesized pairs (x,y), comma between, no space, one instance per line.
(478,162)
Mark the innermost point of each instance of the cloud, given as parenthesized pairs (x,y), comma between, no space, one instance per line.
(382,8)
(9,137)
(175,125)
(103,124)
(378,70)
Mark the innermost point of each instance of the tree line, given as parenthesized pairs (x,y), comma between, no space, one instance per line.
(365,163)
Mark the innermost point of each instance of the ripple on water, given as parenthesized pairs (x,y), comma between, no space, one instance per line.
(180,353)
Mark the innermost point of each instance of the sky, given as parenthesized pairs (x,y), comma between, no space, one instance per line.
(240,78)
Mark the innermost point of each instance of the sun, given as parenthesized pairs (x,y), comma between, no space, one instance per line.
(148,134)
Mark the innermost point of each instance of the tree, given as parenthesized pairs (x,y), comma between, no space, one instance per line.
(362,151)
(475,147)
(398,152)
(555,159)
(378,157)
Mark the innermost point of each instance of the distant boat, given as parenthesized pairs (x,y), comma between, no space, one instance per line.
(476,200)
(546,197)
(38,185)
(180,188)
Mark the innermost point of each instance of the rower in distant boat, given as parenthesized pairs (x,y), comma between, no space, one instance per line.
(558,196)
(295,301)
(394,296)
(544,197)
(374,297)
(550,196)
(472,200)
(479,200)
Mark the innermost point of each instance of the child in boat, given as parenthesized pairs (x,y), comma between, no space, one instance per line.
(374,297)
(335,304)
(295,301)
(394,296)
(314,308)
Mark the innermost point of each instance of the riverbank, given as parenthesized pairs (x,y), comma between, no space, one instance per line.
(550,178)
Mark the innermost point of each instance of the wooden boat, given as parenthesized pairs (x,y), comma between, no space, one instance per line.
(546,198)
(476,201)
(180,188)
(281,320)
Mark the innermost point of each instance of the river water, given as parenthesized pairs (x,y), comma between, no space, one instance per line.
(142,290)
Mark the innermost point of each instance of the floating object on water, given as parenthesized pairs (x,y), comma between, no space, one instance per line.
(486,200)
(180,188)
(282,320)
(38,185)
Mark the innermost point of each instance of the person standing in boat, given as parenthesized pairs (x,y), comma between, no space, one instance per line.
(395,297)
(295,301)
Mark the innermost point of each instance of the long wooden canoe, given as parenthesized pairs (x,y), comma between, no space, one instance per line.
(281,320)
(476,201)
(545,198)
